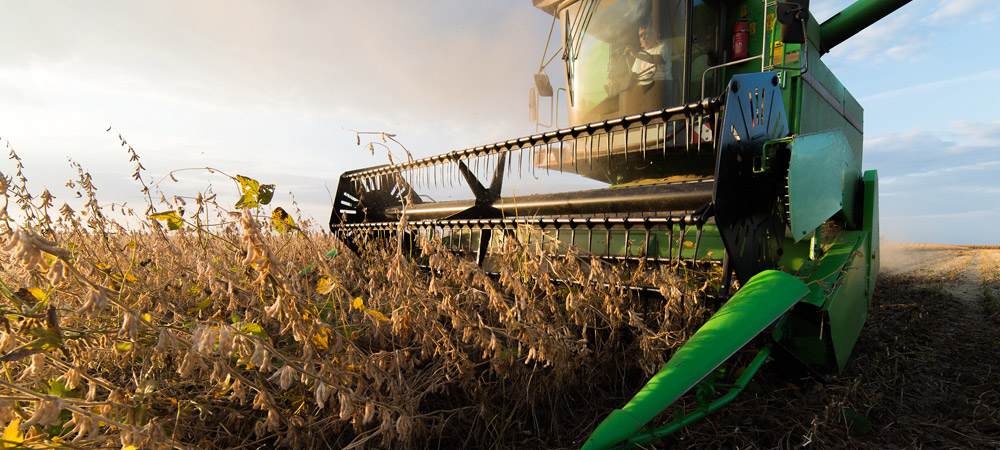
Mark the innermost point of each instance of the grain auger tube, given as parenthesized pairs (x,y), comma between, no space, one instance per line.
(677,153)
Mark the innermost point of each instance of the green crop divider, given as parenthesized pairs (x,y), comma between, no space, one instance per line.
(763,300)
(704,408)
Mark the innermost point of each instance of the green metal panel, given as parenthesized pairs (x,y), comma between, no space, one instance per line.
(870,224)
(806,334)
(635,242)
(824,102)
(763,300)
(822,179)
(837,283)
(848,304)
(793,255)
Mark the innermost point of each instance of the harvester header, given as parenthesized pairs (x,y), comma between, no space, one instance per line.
(702,133)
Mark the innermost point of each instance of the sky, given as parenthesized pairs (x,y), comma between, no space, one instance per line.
(271,90)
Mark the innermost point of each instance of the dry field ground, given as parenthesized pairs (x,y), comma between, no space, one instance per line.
(925,372)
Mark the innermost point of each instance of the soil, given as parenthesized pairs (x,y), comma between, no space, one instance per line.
(925,372)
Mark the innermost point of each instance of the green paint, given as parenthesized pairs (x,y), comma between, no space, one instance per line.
(763,300)
(822,179)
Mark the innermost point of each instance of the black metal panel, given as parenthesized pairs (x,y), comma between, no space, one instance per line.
(749,205)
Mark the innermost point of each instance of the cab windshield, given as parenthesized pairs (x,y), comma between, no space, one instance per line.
(624,56)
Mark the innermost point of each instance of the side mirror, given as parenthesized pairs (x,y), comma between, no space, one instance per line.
(544,88)
(793,15)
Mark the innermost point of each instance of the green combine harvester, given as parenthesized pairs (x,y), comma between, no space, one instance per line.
(700,133)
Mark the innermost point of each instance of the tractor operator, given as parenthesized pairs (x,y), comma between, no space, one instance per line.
(650,70)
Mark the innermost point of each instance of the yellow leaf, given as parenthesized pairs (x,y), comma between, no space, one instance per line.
(38,294)
(126,277)
(173,220)
(358,304)
(248,185)
(12,436)
(281,221)
(321,339)
(130,447)
(378,315)
(148,317)
(324,286)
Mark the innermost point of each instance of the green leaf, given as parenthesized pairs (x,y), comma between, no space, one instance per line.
(246,201)
(857,423)
(347,331)
(281,221)
(58,388)
(266,192)
(145,388)
(174,221)
(200,306)
(253,329)
(253,194)
(327,311)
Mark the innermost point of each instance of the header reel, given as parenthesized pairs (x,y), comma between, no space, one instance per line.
(646,218)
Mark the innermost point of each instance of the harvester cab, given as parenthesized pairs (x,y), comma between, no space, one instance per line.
(701,132)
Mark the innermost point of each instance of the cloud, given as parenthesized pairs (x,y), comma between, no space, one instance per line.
(825,10)
(892,38)
(951,12)
(939,85)
(396,61)
(934,180)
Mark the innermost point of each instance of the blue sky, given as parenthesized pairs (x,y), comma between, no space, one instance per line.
(265,89)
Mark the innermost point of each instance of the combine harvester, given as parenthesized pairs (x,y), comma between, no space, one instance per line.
(701,133)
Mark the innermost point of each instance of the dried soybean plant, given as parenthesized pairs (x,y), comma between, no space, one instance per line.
(168,328)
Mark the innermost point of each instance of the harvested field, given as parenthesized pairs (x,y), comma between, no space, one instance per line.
(925,372)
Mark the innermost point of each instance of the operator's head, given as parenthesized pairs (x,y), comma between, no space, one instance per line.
(648,37)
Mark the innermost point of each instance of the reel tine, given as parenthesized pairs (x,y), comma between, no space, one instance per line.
(509,157)
(520,162)
(642,139)
(626,146)
(533,160)
(670,242)
(576,159)
(687,134)
(560,144)
(590,151)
